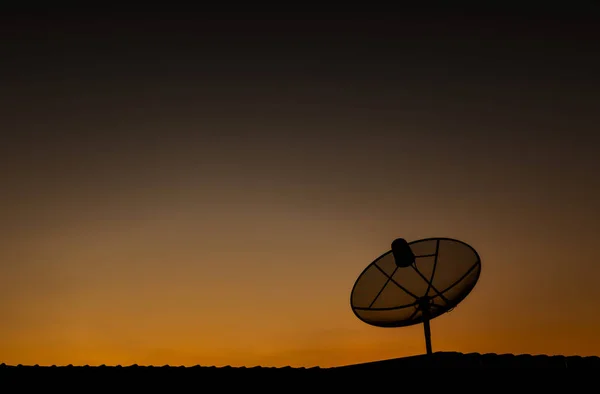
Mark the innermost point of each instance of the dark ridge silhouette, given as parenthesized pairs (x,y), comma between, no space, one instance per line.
(385,372)
(437,359)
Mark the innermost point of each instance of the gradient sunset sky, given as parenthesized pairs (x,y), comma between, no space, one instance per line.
(203,189)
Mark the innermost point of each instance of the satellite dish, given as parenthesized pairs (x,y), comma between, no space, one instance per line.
(415,282)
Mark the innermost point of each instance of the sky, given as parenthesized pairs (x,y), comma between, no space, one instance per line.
(205,189)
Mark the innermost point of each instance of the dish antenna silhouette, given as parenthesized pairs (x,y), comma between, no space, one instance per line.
(415,282)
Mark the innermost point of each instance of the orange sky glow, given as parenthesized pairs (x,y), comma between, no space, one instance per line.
(215,205)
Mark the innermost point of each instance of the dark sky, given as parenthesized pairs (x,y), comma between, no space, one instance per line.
(205,188)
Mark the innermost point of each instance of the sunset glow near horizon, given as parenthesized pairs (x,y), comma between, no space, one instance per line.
(177,197)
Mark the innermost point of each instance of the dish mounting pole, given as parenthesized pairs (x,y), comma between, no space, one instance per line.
(424,305)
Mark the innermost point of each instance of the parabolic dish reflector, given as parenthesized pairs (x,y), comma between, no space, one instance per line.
(444,272)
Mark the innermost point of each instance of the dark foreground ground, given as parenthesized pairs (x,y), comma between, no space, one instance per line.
(398,372)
